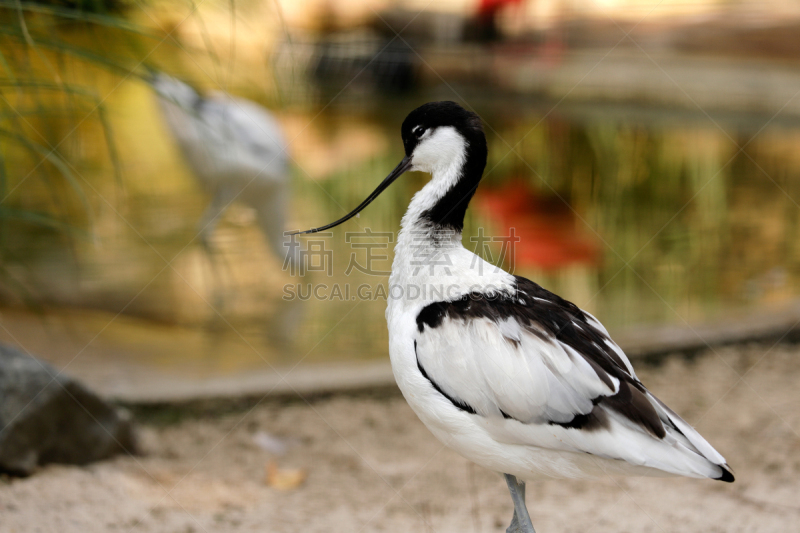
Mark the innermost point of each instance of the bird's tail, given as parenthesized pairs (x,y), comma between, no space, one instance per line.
(687,437)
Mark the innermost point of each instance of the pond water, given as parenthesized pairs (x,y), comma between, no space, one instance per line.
(640,216)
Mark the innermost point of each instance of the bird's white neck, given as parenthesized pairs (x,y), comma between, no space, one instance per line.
(430,261)
(445,154)
(443,180)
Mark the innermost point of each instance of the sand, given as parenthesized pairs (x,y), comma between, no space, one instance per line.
(372,466)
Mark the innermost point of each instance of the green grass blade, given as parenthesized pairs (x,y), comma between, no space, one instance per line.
(41,219)
(75,51)
(107,21)
(54,158)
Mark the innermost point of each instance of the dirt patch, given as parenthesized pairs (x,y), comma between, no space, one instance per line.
(372,466)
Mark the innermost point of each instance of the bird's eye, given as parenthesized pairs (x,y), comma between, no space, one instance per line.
(418,132)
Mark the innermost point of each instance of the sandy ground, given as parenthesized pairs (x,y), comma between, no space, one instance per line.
(372,466)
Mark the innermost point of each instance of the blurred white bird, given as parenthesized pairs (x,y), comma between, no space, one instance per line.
(237,151)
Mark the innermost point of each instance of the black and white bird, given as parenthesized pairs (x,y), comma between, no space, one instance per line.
(237,151)
(506,373)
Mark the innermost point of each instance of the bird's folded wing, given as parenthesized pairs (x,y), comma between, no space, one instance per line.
(502,370)
(530,356)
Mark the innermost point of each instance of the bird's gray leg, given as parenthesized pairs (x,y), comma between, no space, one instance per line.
(208,221)
(271,217)
(521,523)
(206,225)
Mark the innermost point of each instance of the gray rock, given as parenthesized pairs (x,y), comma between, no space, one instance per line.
(51,418)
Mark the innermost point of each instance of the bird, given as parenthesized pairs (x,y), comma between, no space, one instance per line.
(237,151)
(501,370)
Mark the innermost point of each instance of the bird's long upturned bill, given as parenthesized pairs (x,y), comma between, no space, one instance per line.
(398,171)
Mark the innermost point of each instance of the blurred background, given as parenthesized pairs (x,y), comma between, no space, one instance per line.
(645,155)
(642,157)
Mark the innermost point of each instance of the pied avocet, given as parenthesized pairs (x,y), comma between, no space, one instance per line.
(506,373)
(237,151)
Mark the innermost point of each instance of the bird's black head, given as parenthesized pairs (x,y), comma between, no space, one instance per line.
(421,122)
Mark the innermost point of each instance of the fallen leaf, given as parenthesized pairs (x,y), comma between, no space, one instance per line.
(284,478)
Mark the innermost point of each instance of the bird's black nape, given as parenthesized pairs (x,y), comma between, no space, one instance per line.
(449,211)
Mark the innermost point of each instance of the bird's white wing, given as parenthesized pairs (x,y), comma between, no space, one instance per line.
(530,356)
(500,369)
(221,134)
(533,358)
(243,123)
